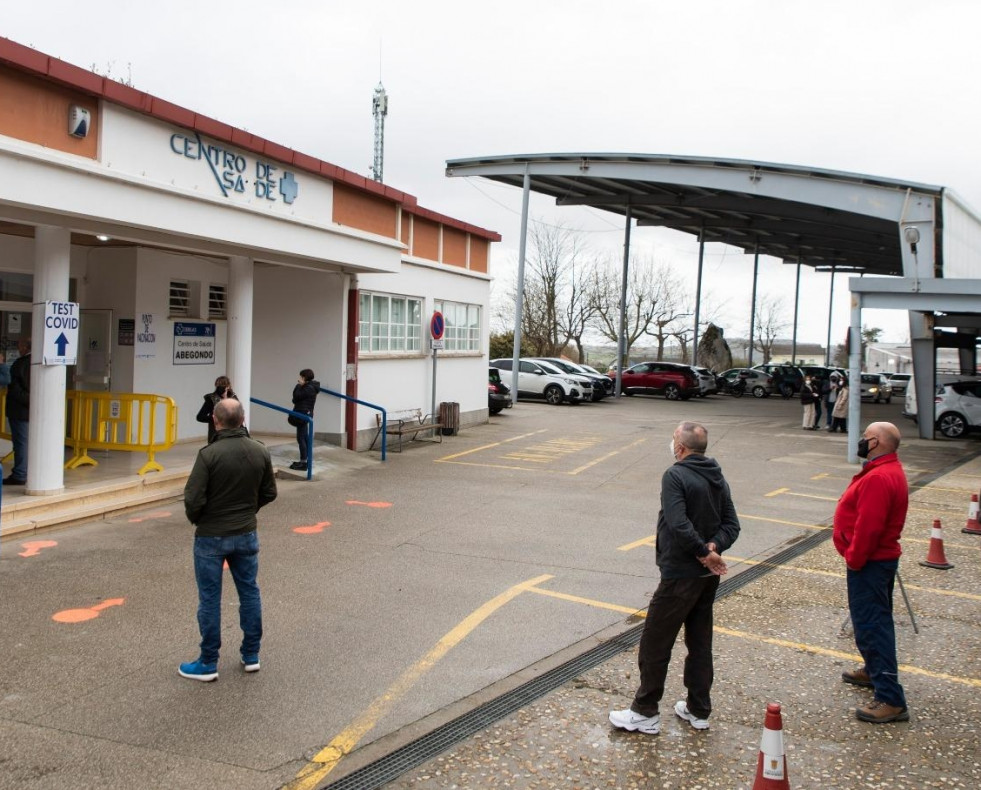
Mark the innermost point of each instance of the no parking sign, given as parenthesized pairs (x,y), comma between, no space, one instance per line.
(436,328)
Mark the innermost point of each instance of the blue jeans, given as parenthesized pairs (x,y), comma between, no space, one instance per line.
(18,437)
(242,553)
(870,605)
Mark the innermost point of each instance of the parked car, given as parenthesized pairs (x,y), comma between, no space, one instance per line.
(608,384)
(909,407)
(707,384)
(899,382)
(674,381)
(958,407)
(498,393)
(876,388)
(790,375)
(541,380)
(598,381)
(759,382)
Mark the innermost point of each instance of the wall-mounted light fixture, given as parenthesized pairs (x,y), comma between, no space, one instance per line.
(102,237)
(79,121)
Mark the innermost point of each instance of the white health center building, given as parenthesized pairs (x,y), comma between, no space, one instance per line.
(194,249)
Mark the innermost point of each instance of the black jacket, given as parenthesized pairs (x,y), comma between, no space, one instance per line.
(208,408)
(231,479)
(305,396)
(696,508)
(808,394)
(19,389)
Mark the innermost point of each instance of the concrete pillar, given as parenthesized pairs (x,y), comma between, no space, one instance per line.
(238,354)
(855,427)
(924,369)
(46,436)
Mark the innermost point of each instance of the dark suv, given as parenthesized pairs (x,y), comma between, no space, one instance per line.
(789,377)
(673,380)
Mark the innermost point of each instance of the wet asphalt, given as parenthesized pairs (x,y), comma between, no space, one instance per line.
(399,595)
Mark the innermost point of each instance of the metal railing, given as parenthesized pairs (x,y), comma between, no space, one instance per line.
(305,417)
(376,407)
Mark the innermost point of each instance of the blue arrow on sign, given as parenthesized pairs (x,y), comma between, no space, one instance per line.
(62,343)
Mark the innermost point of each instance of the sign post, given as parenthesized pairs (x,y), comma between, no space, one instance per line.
(436,327)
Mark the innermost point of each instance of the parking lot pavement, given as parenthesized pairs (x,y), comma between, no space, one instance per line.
(410,592)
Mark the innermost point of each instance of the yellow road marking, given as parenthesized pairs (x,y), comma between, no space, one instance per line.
(650,540)
(584,467)
(821,476)
(781,521)
(588,601)
(488,446)
(777,492)
(327,758)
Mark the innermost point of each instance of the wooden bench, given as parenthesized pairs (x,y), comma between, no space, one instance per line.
(408,423)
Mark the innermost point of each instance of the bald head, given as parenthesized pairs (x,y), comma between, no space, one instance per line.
(888,437)
(228,413)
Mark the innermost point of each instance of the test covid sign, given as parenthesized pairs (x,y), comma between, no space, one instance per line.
(60,333)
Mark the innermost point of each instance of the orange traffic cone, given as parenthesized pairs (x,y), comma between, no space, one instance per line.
(935,555)
(972,527)
(771,766)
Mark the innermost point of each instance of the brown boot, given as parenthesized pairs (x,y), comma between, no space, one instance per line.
(859,677)
(879,712)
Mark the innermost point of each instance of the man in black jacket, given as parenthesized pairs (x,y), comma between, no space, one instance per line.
(697,522)
(231,479)
(19,412)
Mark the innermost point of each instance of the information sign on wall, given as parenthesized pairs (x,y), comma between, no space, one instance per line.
(194,344)
(60,333)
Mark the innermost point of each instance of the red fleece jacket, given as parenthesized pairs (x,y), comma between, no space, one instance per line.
(871,513)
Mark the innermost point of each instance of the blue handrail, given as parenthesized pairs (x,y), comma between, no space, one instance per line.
(374,406)
(306,418)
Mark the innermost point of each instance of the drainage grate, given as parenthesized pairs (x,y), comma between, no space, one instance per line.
(422,750)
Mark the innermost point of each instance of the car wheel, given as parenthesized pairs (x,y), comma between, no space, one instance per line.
(671,392)
(952,425)
(554,394)
(759,392)
(889,399)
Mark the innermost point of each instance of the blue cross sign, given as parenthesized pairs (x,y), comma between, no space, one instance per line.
(288,188)
(437,325)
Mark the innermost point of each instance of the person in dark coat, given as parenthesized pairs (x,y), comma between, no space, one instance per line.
(304,400)
(223,389)
(231,479)
(808,395)
(19,412)
(697,522)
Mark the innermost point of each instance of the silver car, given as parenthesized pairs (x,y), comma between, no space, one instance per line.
(707,384)
(876,388)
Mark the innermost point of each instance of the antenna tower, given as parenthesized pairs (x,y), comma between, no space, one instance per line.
(379,107)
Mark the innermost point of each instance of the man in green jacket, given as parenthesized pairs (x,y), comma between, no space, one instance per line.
(232,478)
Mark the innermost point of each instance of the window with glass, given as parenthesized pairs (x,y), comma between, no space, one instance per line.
(390,323)
(462,322)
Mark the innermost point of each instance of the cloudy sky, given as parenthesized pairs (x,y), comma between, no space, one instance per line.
(884,87)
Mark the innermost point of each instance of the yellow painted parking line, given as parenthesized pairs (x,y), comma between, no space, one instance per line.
(782,521)
(823,651)
(606,457)
(488,446)
(650,540)
(327,758)
(821,476)
(770,640)
(777,492)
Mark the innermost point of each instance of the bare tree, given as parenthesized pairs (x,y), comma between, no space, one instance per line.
(649,300)
(770,322)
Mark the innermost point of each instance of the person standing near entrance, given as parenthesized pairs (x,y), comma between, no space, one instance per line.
(19,412)
(223,389)
(304,399)
(868,523)
(697,522)
(231,479)
(808,397)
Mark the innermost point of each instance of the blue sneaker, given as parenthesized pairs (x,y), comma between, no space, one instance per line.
(250,663)
(195,670)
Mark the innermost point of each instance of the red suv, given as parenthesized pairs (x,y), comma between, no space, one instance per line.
(674,381)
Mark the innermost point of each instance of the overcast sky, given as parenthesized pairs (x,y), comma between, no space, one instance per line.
(883,87)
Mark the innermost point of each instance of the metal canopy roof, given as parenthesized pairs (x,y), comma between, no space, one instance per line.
(821,217)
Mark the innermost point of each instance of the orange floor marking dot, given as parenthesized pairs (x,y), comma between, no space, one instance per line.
(81,615)
(312,528)
(368,504)
(33,547)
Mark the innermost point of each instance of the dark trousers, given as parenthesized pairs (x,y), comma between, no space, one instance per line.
(817,412)
(676,603)
(839,424)
(870,605)
(303,439)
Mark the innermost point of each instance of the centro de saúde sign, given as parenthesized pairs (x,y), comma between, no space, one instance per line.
(194,344)
(234,172)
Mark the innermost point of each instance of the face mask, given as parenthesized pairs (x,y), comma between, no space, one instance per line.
(671,449)
(863,448)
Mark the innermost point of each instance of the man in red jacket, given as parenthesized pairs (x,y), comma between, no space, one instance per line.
(869,520)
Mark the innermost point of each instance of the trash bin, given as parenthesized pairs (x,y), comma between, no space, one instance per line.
(449,418)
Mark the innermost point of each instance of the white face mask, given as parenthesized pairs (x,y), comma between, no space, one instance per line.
(671,448)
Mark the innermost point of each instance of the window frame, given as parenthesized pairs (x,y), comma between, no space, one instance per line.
(380,335)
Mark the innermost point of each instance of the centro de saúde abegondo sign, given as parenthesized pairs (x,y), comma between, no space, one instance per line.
(194,344)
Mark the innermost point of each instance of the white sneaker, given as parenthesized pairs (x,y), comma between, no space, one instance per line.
(682,712)
(628,720)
